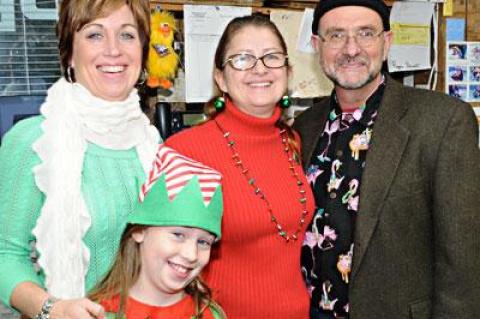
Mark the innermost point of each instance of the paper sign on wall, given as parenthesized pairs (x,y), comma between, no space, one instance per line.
(203,27)
(410,23)
(308,79)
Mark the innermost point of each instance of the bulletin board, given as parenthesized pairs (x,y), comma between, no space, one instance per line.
(465,9)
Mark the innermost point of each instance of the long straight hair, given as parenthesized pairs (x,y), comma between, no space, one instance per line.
(125,272)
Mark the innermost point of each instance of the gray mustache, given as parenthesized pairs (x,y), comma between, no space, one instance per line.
(346,59)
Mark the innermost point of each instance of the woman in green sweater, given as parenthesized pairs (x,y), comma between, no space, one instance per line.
(70,177)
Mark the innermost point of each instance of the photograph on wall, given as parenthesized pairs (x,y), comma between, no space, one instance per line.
(458,91)
(475,73)
(475,52)
(462,70)
(457,73)
(474,92)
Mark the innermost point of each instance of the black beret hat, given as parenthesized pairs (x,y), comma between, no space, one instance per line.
(324,6)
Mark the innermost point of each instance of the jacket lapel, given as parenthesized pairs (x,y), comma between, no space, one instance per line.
(313,129)
(389,140)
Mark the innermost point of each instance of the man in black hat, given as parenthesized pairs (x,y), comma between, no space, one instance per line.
(395,173)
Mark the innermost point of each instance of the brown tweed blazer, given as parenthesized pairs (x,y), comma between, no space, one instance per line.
(417,242)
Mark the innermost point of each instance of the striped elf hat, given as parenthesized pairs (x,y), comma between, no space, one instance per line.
(180,191)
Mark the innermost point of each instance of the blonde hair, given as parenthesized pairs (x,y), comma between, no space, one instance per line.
(125,272)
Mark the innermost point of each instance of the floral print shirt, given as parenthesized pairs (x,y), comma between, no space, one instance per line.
(335,173)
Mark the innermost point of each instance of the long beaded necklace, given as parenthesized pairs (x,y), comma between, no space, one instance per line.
(258,191)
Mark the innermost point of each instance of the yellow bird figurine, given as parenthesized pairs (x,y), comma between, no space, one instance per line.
(162,61)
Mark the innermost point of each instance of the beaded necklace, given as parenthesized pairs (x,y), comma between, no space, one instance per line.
(258,191)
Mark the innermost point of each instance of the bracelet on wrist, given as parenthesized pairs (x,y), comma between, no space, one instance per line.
(46,308)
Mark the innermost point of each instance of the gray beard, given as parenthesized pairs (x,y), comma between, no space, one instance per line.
(345,86)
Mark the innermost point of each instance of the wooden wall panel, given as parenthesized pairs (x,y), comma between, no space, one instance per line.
(472,16)
(473,20)
(441,51)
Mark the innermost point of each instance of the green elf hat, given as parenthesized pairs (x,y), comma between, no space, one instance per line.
(180,192)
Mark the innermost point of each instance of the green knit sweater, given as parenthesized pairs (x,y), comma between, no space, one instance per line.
(110,183)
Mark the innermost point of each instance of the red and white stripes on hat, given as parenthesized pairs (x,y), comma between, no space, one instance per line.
(179,170)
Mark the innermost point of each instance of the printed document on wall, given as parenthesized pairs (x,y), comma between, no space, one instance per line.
(410,23)
(203,27)
(307,79)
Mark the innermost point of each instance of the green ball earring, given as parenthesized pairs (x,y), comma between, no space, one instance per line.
(219,103)
(285,102)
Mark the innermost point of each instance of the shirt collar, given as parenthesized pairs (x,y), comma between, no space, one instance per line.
(367,111)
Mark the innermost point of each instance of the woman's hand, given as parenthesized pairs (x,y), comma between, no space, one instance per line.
(77,309)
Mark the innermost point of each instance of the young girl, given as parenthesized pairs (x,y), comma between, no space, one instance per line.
(166,244)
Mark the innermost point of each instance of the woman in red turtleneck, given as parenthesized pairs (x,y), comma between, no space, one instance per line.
(255,271)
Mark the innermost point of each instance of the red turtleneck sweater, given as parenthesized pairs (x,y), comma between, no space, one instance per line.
(254,273)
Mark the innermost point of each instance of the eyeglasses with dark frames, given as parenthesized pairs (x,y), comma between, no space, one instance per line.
(246,61)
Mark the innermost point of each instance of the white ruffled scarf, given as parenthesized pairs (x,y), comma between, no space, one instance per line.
(73,117)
